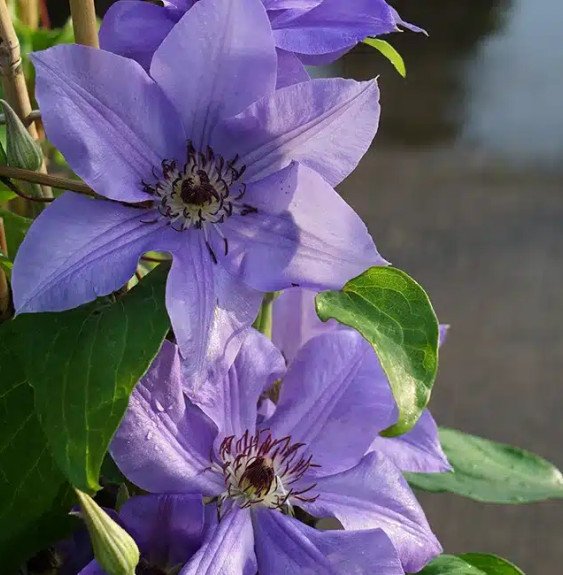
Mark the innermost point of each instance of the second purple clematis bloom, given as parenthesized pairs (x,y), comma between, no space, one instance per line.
(255,474)
(205,160)
(305,31)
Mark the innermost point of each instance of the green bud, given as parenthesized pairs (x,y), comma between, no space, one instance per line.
(114,548)
(22,151)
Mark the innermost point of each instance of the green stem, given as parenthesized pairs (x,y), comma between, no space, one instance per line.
(263,322)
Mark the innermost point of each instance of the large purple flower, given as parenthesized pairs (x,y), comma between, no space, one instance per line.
(168,530)
(311,454)
(203,160)
(295,323)
(309,31)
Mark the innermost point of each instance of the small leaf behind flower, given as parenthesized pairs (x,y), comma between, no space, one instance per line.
(390,53)
(470,564)
(491,472)
(83,365)
(395,315)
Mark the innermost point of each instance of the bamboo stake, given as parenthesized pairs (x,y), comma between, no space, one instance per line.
(4,289)
(84,22)
(29,13)
(13,80)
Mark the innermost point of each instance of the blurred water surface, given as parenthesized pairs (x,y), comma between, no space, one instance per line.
(463,189)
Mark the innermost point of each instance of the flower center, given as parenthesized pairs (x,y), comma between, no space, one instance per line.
(261,470)
(207,189)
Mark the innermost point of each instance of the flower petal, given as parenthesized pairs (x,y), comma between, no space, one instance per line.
(136,29)
(418,451)
(303,233)
(328,400)
(79,249)
(211,312)
(93,568)
(216,61)
(284,541)
(295,321)
(400,22)
(164,443)
(328,125)
(110,120)
(335,25)
(232,400)
(290,4)
(372,495)
(228,548)
(290,70)
(167,528)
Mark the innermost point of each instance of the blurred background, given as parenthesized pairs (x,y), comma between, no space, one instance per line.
(463,189)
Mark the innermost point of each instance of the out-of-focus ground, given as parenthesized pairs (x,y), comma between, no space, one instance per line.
(463,189)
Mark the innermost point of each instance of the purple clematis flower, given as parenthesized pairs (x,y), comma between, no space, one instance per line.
(203,160)
(295,323)
(305,31)
(168,530)
(311,454)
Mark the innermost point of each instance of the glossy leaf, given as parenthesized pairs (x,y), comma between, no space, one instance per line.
(390,53)
(470,564)
(34,500)
(491,472)
(83,365)
(395,315)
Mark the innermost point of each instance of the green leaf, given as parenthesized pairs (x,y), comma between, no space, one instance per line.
(6,264)
(15,227)
(470,564)
(395,315)
(83,365)
(390,53)
(491,472)
(34,501)
(5,194)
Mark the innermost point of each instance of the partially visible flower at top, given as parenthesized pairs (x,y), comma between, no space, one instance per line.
(255,474)
(295,323)
(168,530)
(205,161)
(305,31)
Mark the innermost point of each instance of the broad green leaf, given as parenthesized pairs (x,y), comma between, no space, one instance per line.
(15,227)
(83,365)
(390,53)
(491,472)
(395,315)
(470,564)
(33,492)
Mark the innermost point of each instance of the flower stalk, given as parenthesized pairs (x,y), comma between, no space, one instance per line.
(45,179)
(263,322)
(84,22)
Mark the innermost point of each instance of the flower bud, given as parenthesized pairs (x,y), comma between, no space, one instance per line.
(22,151)
(114,548)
